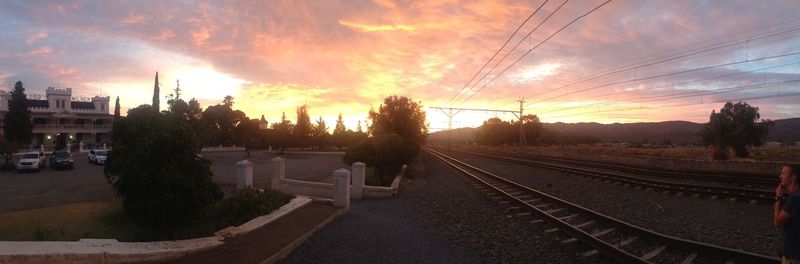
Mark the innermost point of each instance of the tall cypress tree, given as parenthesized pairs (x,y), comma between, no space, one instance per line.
(116,110)
(156,95)
(17,125)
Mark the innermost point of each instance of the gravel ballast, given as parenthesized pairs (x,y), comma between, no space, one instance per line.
(720,222)
(438,218)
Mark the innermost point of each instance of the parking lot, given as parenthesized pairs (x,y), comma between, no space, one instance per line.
(49,187)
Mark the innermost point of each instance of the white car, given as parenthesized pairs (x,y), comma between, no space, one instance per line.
(31,161)
(97,156)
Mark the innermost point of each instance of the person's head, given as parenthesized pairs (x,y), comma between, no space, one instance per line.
(789,174)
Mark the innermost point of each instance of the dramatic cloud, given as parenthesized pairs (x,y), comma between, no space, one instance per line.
(345,56)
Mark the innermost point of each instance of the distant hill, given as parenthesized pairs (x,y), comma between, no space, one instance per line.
(677,132)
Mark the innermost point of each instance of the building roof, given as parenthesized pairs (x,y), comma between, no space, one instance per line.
(38,103)
(82,105)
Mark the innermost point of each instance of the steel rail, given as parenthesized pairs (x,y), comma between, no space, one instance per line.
(618,253)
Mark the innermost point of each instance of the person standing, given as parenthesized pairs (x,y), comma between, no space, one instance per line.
(786,213)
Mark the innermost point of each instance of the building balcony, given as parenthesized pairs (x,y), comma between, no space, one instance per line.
(71,128)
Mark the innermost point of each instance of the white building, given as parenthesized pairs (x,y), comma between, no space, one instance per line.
(59,118)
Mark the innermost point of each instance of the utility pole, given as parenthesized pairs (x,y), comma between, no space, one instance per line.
(522,141)
(450,114)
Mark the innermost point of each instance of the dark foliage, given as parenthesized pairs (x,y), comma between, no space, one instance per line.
(155,167)
(17,124)
(735,126)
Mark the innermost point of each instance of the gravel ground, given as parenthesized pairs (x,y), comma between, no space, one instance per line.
(439,218)
(720,222)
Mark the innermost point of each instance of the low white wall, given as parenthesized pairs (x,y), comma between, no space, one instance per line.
(381,191)
(113,251)
(313,189)
(222,149)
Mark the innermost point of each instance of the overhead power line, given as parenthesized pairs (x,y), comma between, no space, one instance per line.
(698,94)
(498,51)
(636,79)
(668,59)
(664,86)
(515,47)
(534,48)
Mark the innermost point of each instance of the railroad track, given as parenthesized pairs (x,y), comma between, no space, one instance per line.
(619,240)
(741,180)
(711,191)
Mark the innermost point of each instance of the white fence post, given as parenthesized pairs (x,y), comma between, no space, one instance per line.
(244,174)
(341,188)
(359,170)
(278,173)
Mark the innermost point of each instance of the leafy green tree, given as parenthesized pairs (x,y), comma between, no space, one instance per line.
(496,132)
(248,135)
(194,111)
(228,101)
(532,127)
(222,120)
(281,134)
(398,130)
(319,134)
(156,169)
(301,133)
(402,116)
(735,126)
(17,124)
(362,151)
(179,107)
(340,135)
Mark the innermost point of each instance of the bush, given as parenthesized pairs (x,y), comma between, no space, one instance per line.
(387,153)
(156,169)
(247,204)
(362,151)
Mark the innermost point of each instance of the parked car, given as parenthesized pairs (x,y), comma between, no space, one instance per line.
(31,161)
(97,156)
(61,159)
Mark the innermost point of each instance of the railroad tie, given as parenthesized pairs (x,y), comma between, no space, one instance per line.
(532,200)
(536,221)
(568,241)
(618,245)
(689,259)
(554,210)
(551,230)
(524,214)
(541,205)
(585,224)
(568,217)
(654,253)
(603,232)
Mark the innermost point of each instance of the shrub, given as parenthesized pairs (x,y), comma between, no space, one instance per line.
(156,169)
(247,204)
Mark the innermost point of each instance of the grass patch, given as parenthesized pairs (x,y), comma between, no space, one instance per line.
(101,219)
(106,219)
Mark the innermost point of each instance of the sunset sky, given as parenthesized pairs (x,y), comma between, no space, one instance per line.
(666,58)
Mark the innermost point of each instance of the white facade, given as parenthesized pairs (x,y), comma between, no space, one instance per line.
(60,119)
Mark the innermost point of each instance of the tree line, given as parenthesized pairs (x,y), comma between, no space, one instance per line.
(495,132)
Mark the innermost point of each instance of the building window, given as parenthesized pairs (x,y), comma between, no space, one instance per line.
(102,106)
